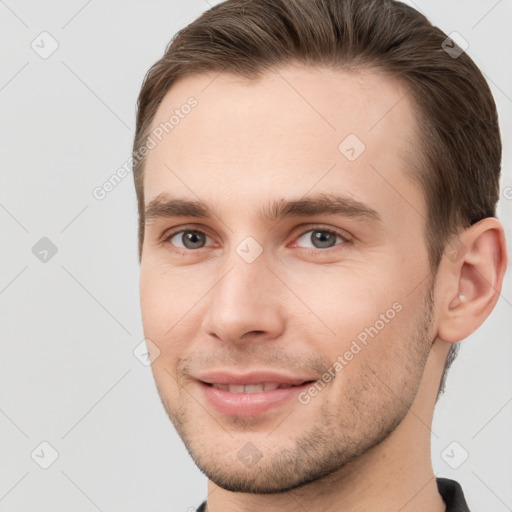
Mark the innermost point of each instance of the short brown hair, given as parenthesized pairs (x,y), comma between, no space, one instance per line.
(459,158)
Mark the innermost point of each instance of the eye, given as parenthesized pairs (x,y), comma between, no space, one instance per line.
(320,238)
(187,239)
(191,239)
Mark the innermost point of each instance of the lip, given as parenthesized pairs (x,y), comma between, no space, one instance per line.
(250,404)
(255,377)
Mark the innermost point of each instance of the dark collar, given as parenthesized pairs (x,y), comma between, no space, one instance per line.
(450,490)
(452,494)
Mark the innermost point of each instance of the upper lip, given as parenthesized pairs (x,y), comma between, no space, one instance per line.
(255,377)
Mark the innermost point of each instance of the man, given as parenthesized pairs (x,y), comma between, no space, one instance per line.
(317,233)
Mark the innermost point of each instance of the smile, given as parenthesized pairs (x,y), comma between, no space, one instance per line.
(252,388)
(250,399)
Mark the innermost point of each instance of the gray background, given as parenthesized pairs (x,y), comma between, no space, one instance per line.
(69,325)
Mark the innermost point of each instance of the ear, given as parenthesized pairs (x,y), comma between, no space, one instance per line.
(470,277)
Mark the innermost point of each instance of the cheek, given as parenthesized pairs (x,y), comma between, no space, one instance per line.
(162,307)
(348,300)
(377,368)
(167,306)
(368,315)
(156,305)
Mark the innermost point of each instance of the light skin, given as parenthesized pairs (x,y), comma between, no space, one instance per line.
(364,440)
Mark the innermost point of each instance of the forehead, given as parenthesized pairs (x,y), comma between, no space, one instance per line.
(294,129)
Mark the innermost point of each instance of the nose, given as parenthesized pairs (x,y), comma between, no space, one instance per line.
(245,304)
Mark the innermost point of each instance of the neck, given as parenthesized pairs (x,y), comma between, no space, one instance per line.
(394,475)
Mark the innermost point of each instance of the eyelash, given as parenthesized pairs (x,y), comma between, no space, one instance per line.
(311,251)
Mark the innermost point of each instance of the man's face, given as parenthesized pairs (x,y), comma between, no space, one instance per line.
(305,295)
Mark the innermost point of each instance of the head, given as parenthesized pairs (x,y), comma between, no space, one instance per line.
(341,164)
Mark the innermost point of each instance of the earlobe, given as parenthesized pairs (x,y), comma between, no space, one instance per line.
(473,283)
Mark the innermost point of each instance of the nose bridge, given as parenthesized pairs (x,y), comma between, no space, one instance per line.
(245,283)
(244,300)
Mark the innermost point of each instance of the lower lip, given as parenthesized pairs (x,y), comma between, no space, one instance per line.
(249,404)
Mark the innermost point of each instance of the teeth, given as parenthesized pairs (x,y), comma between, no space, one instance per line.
(236,388)
(224,387)
(251,388)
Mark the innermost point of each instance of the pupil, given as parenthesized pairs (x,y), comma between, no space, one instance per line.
(323,239)
(192,240)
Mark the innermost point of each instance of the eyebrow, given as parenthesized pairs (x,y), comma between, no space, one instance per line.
(164,206)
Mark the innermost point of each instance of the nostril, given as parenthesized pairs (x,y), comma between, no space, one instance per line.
(251,333)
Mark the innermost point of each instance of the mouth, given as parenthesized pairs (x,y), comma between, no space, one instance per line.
(250,399)
(255,388)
